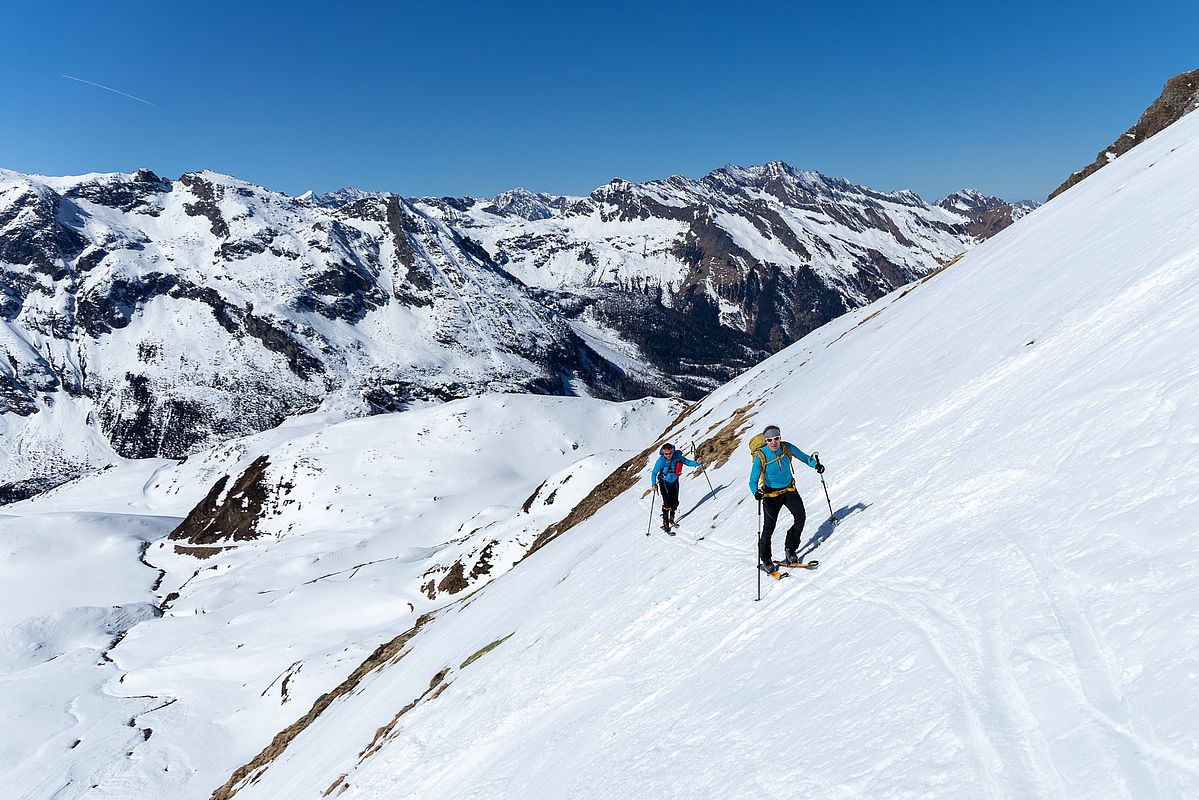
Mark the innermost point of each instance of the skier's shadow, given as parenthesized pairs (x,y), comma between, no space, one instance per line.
(703,500)
(827,527)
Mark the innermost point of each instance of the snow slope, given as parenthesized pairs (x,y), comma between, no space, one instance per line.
(1009,608)
(129,682)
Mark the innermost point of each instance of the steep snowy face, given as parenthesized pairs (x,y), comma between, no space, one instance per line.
(173,314)
(1007,607)
(757,256)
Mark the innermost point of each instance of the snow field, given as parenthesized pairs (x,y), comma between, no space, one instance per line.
(257,632)
(1007,610)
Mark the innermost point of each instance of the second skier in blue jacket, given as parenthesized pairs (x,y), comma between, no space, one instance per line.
(665,478)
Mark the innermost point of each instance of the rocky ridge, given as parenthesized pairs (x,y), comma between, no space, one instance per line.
(1179,97)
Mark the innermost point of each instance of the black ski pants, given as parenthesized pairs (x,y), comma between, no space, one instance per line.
(670,499)
(770,515)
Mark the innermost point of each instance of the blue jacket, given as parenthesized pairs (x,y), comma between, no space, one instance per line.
(665,470)
(778,467)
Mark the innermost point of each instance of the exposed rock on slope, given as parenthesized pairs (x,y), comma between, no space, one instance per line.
(1179,97)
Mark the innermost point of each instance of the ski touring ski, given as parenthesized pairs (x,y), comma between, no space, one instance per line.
(800,564)
(775,573)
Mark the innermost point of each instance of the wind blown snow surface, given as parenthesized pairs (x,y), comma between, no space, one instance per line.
(1008,608)
(232,647)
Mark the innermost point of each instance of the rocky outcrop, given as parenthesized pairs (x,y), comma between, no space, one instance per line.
(1179,97)
(987,215)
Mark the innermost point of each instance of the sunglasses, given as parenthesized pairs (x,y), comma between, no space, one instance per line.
(775,439)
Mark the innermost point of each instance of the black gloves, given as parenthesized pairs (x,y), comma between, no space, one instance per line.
(758,495)
(819,468)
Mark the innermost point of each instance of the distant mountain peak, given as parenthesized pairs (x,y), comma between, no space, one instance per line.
(970,200)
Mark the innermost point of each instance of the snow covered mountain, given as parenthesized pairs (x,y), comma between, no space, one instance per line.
(748,258)
(1006,609)
(988,215)
(145,317)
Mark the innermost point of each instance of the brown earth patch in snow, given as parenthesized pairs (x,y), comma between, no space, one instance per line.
(455,579)
(199,552)
(339,782)
(386,733)
(384,655)
(529,502)
(483,565)
(717,450)
(223,516)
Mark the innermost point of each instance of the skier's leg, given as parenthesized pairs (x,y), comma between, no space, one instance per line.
(770,515)
(795,533)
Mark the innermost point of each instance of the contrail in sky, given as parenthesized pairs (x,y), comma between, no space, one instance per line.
(109,88)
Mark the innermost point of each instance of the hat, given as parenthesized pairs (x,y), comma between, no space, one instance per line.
(772,431)
(668,446)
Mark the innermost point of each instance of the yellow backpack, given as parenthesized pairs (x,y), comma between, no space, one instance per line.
(757,449)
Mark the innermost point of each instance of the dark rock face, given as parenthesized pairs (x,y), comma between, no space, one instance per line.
(987,215)
(36,231)
(1179,97)
(139,194)
(229,516)
(206,195)
(17,491)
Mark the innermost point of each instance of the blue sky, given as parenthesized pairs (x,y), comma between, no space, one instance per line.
(461,98)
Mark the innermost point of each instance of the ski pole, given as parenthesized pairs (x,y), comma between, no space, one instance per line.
(832,517)
(650,524)
(695,453)
(756,544)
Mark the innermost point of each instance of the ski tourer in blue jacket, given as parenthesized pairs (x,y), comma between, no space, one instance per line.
(773,483)
(666,477)
(776,475)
